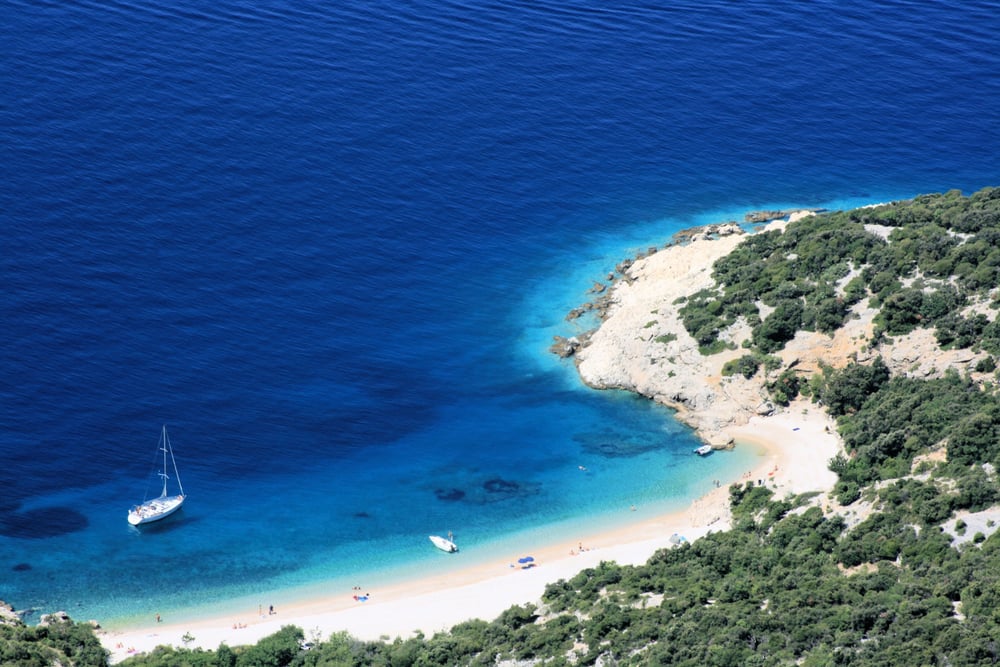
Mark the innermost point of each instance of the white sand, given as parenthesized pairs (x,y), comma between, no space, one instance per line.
(799,442)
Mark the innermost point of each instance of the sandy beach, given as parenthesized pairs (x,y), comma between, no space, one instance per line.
(797,445)
(797,441)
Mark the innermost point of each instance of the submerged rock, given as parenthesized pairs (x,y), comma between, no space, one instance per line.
(499,485)
(451,495)
(764,216)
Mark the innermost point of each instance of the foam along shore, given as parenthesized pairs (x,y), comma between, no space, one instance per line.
(797,442)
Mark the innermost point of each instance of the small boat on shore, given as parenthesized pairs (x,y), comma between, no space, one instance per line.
(163,505)
(704,450)
(444,544)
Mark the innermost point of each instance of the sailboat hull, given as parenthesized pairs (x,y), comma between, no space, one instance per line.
(154,510)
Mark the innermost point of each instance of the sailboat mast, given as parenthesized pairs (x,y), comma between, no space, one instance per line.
(163,470)
(177,474)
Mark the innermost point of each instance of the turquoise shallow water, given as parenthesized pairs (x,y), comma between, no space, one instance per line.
(329,247)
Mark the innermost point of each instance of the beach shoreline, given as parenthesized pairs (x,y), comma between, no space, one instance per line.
(796,445)
(796,442)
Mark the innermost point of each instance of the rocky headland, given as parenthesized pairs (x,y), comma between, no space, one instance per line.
(641,344)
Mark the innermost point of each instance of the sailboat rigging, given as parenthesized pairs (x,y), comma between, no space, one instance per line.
(164,505)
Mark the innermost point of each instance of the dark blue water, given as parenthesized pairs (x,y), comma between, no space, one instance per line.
(328,246)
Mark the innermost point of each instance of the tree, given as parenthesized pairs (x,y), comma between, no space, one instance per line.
(973,440)
(746,366)
(785,388)
(846,391)
(224,656)
(779,327)
(275,650)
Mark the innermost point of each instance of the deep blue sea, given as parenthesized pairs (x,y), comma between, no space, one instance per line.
(328,245)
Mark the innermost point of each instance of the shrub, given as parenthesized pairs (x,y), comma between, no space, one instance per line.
(746,366)
(986,365)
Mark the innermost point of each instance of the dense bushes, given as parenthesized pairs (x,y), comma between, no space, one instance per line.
(747,366)
(779,327)
(812,273)
(60,642)
(885,422)
(844,392)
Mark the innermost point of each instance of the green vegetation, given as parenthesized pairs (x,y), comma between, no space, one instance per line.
(749,364)
(942,254)
(785,388)
(877,582)
(59,642)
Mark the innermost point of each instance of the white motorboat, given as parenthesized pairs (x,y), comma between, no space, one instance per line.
(444,544)
(163,505)
(704,450)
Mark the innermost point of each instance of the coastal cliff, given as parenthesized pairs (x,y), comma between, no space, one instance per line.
(641,344)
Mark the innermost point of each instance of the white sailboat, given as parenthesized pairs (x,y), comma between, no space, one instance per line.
(164,505)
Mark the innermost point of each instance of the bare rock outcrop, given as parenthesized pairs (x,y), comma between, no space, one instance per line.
(564,347)
(642,346)
(55,617)
(8,616)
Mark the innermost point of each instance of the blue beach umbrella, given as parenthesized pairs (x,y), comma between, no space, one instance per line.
(526,559)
